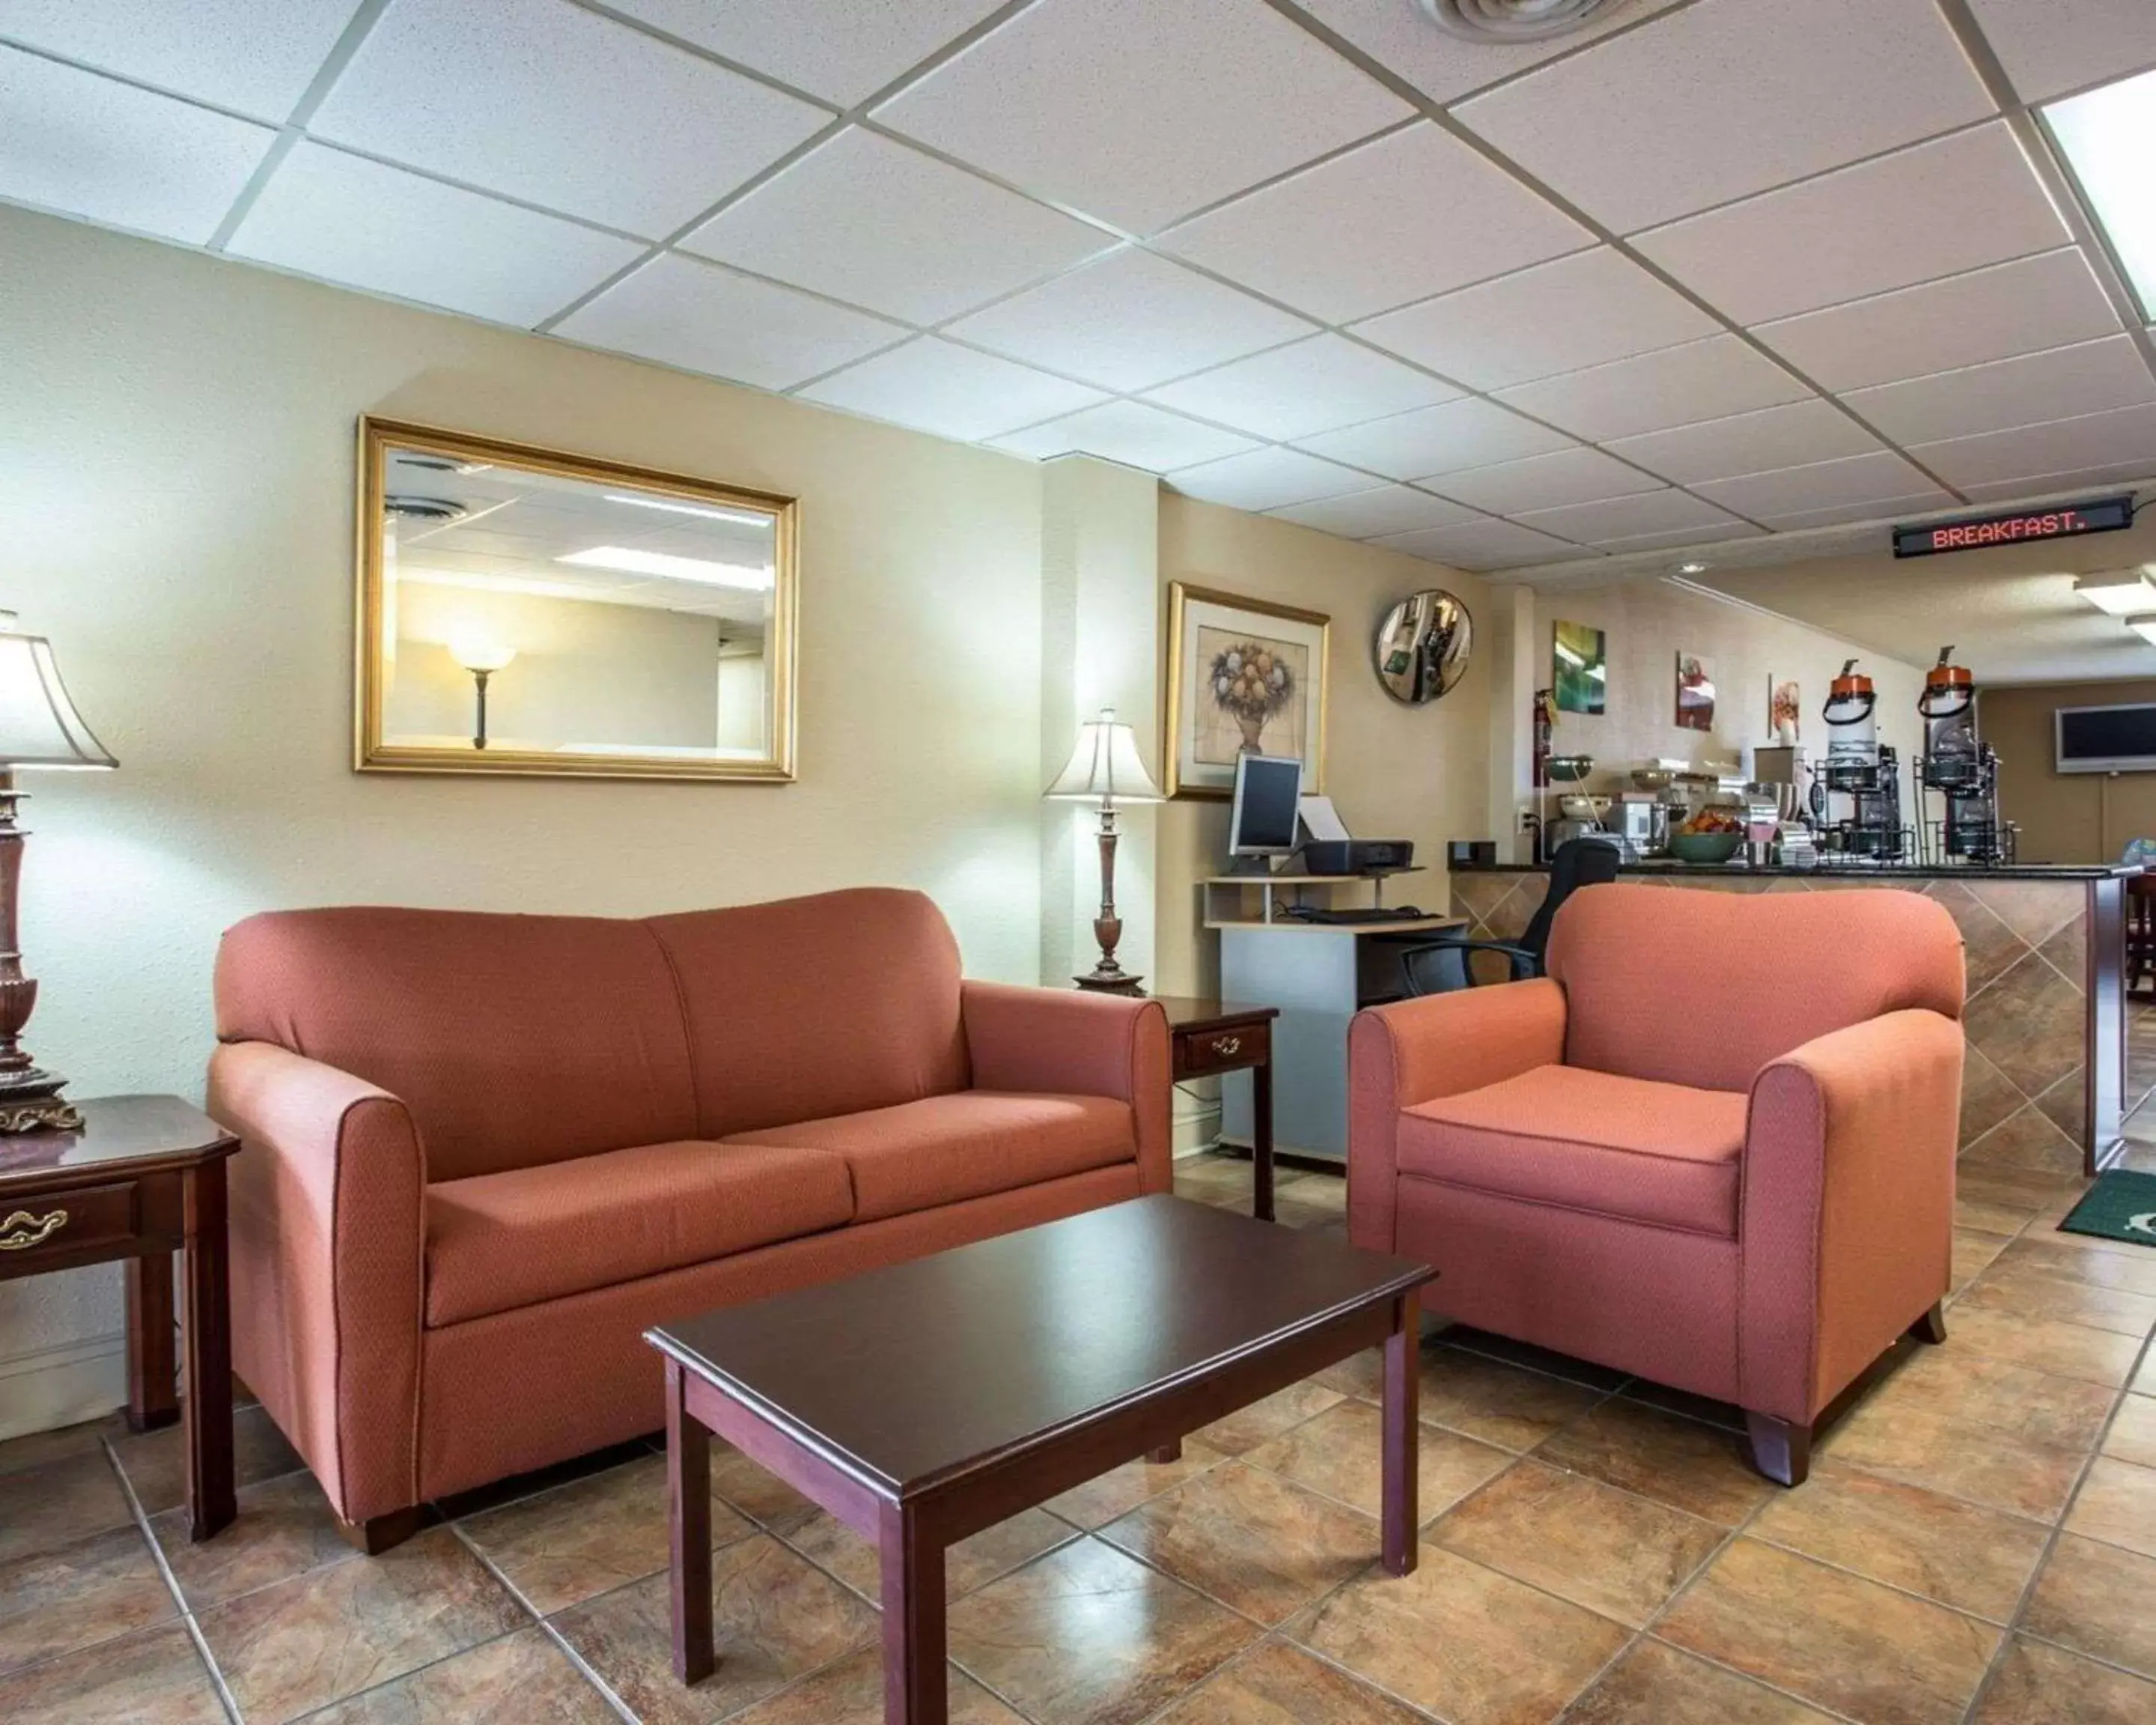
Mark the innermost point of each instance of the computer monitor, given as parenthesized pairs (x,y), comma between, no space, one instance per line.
(1263,819)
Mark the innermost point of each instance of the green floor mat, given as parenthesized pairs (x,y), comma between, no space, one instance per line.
(2122,1205)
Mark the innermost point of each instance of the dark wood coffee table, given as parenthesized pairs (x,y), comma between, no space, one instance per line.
(923,1403)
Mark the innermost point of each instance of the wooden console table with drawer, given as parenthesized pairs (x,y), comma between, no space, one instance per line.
(1211,1037)
(142,1177)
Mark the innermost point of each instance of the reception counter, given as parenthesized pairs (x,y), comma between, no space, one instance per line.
(2045,1084)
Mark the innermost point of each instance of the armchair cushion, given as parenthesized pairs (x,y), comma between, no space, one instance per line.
(1660,1153)
(946,1149)
(496,1242)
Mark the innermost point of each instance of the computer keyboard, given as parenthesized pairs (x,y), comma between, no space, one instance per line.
(1367,913)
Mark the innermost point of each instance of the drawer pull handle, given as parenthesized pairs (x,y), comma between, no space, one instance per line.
(1227,1044)
(21,1229)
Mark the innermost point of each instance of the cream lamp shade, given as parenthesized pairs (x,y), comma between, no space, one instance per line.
(38,724)
(477,653)
(1105,766)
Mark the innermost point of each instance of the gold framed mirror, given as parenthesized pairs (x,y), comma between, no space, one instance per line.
(523,611)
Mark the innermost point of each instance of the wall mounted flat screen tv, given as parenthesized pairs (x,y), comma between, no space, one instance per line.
(2105,739)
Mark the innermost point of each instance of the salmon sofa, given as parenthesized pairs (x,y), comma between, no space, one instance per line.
(1714,1145)
(483,1153)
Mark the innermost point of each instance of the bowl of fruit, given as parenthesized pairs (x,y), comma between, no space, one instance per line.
(1710,836)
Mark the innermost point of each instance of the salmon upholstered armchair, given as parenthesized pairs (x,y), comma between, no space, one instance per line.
(1713,1146)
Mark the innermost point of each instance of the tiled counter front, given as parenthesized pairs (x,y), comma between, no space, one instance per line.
(2045,1084)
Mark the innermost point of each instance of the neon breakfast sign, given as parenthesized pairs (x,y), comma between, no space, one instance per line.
(2104,514)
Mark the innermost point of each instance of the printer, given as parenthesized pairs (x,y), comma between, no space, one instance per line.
(1328,848)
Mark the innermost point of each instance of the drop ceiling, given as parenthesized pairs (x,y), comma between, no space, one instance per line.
(1728,273)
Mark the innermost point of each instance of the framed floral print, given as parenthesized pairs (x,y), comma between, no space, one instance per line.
(1244,678)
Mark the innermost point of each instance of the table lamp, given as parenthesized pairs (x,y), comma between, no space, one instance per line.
(1105,764)
(39,727)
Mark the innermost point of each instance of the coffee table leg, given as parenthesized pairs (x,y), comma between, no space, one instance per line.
(915,1691)
(689,1496)
(1261,1140)
(206,1411)
(1399,1425)
(153,1400)
(1166,1453)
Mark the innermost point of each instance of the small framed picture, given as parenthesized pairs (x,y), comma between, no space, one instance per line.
(1579,667)
(1695,693)
(1785,710)
(1244,677)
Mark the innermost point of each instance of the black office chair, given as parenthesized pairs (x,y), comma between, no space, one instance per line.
(1443,965)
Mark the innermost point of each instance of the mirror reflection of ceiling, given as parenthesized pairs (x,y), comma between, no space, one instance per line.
(552,537)
(1701,273)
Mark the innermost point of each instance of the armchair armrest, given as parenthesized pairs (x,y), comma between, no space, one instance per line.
(1846,1212)
(1063,1042)
(1417,1051)
(328,1240)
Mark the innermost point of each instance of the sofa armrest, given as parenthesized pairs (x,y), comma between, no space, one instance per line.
(1063,1042)
(328,1238)
(1847,1212)
(1417,1051)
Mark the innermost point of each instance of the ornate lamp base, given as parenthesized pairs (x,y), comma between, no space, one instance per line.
(1109,978)
(30,1101)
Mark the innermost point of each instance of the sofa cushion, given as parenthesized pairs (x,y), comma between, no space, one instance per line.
(813,1007)
(946,1149)
(497,1242)
(1663,1153)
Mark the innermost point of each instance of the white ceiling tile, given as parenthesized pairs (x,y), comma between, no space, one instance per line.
(1716,534)
(1677,386)
(238,53)
(1819,486)
(1365,514)
(1942,208)
(1440,439)
(1305,387)
(1994,313)
(84,146)
(1483,545)
(367,225)
(1648,513)
(1412,214)
(1129,321)
(877,223)
(1581,310)
(1129,431)
(2049,47)
(1790,436)
(1267,479)
(1138,112)
(1878,508)
(1546,482)
(951,390)
(1721,101)
(842,50)
(2065,383)
(2127,435)
(2084,480)
(1445,66)
(542,100)
(702,318)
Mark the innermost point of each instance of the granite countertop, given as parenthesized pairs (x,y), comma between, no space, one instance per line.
(1843,871)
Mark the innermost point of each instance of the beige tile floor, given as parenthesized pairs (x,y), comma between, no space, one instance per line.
(1977,1542)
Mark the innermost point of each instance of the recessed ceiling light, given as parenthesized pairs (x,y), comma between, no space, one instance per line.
(740,517)
(2123,592)
(632,562)
(2109,137)
(1515,20)
(1691,568)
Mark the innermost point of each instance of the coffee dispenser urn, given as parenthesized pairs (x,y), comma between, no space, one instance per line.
(1857,795)
(1962,768)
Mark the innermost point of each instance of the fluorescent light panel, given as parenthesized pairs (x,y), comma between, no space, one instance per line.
(740,517)
(632,562)
(2122,593)
(2109,137)
(2144,626)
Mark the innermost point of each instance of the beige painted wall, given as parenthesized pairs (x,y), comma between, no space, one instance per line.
(2064,817)
(1394,772)
(1649,623)
(177,456)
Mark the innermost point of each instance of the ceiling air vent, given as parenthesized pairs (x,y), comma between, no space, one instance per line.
(1516,20)
(424,508)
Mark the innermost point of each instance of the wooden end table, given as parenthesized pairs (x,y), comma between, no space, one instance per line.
(1208,1037)
(142,1177)
(924,1402)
